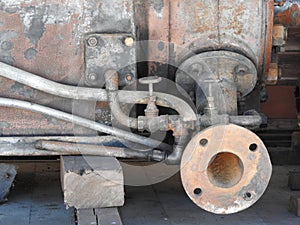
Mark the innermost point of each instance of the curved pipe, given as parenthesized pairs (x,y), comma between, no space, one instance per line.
(94,94)
(51,87)
(112,85)
(82,122)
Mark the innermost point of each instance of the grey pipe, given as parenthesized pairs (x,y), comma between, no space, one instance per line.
(51,87)
(251,121)
(82,122)
(94,94)
(112,82)
(88,149)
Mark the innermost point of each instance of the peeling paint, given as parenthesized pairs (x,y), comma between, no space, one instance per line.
(157,6)
(30,53)
(6,45)
(21,89)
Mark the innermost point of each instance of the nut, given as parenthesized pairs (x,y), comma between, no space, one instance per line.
(92,41)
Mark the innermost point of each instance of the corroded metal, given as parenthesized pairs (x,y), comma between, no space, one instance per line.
(46,38)
(224,174)
(207,25)
(230,74)
(110,52)
(287,13)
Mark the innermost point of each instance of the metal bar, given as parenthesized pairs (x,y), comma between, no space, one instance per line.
(65,148)
(83,122)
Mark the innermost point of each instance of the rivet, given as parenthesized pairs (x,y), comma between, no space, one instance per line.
(129,41)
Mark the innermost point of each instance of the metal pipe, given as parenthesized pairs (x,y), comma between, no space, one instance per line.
(112,83)
(253,121)
(51,87)
(180,143)
(83,122)
(94,94)
(66,148)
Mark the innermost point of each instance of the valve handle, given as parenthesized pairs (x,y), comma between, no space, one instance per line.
(150,81)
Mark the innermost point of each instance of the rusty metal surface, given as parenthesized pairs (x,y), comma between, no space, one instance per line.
(288,13)
(225,169)
(110,52)
(45,38)
(232,74)
(205,25)
(181,27)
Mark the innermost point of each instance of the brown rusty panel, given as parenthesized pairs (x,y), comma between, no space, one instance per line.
(266,58)
(158,27)
(193,26)
(206,25)
(288,13)
(46,38)
(281,103)
(242,27)
(31,124)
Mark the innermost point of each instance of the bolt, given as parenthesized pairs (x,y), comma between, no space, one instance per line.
(196,69)
(92,41)
(240,69)
(129,41)
(129,77)
(92,76)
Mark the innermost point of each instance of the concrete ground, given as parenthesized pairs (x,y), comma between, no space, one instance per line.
(37,200)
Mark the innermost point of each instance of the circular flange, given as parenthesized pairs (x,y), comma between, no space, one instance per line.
(225,169)
(218,66)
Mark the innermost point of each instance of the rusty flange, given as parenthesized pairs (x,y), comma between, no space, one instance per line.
(225,169)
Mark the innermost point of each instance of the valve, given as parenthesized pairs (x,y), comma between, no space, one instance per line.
(151,109)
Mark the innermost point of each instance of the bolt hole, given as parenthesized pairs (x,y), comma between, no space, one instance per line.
(203,142)
(247,196)
(253,147)
(197,191)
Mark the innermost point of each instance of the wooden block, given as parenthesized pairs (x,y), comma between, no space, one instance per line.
(294,205)
(294,180)
(92,181)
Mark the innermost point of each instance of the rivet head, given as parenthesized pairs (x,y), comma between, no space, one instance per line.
(92,41)
(129,41)
(92,76)
(128,77)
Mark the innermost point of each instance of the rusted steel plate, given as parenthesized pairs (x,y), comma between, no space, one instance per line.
(45,38)
(200,25)
(225,169)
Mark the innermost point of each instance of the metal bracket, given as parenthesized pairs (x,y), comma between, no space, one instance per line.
(109,52)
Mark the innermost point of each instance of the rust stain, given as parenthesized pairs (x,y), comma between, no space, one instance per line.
(235,19)
(266,43)
(54,56)
(289,17)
